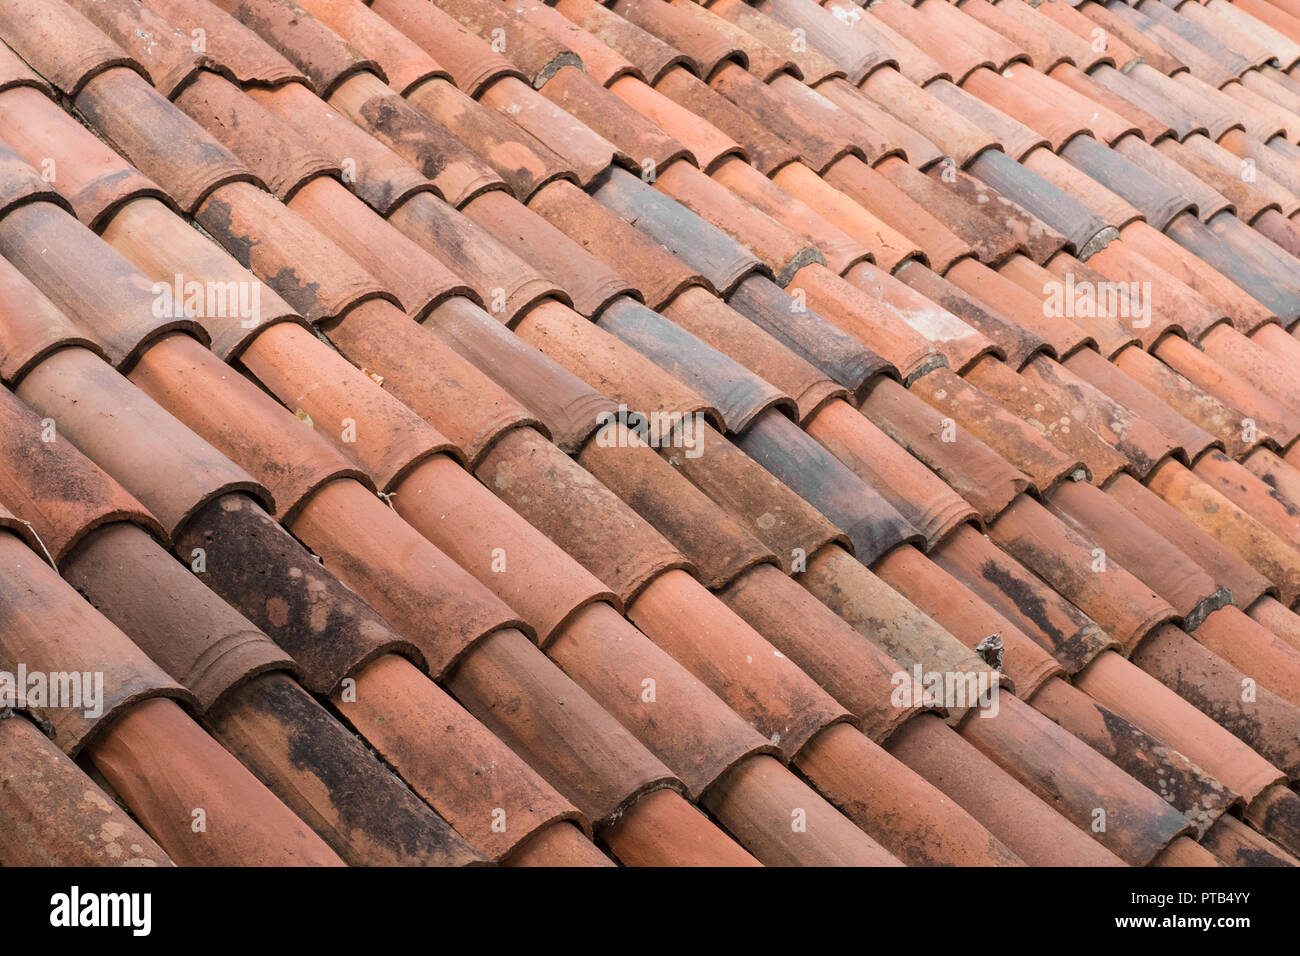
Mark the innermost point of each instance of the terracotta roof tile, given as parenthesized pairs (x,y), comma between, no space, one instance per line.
(463,305)
(57,816)
(237,49)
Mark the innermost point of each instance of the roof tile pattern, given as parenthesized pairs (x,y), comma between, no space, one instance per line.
(496,431)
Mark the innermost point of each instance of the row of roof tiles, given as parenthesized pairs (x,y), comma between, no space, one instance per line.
(473,230)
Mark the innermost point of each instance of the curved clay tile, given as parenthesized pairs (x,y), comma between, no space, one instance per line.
(862,674)
(1253,649)
(1233,843)
(761,790)
(1150,558)
(707,47)
(1148,126)
(763,60)
(19,183)
(1026,396)
(1112,208)
(1269,723)
(1085,232)
(714,542)
(428,598)
(367,424)
(563,844)
(1190,441)
(871,522)
(418,279)
(1026,824)
(1234,527)
(450,759)
(913,62)
(762,684)
(1146,161)
(49,628)
(708,144)
(1141,443)
(549,490)
(331,780)
(60,44)
(1207,53)
(280,247)
(1251,359)
(894,133)
(169,55)
(1211,111)
(256,566)
(955,607)
(586,152)
(570,408)
(1252,494)
(1115,53)
(1275,813)
(240,420)
(168,613)
(602,62)
(635,137)
(855,52)
(1255,30)
(163,765)
(537,52)
(1059,627)
(590,283)
(381,177)
(738,394)
(969,45)
(473,63)
(163,246)
(662,829)
(1076,779)
(722,260)
(1149,53)
(1016,138)
(869,320)
(969,466)
(756,29)
(1246,313)
(685,725)
(277,156)
(158,138)
(165,465)
(907,231)
(454,169)
(1177,122)
(95,180)
(31,327)
(499,278)
(844,358)
(920,496)
(911,817)
(1200,797)
(307,42)
(49,483)
(543,715)
(404,63)
(713,321)
(56,815)
(958,343)
(766,150)
(657,274)
(651,56)
(902,635)
(1022,445)
(227,42)
(1011,228)
(14,73)
(780,247)
(523,163)
(768,509)
(1009,23)
(521,566)
(430,377)
(1023,23)
(1014,341)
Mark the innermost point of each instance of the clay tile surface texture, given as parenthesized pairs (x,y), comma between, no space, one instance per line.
(561,432)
